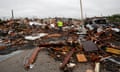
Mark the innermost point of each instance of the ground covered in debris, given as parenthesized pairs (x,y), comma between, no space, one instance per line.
(74,47)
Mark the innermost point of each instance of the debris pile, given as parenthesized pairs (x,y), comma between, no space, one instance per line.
(71,44)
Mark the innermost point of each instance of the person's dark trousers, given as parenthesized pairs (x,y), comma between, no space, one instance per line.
(60,29)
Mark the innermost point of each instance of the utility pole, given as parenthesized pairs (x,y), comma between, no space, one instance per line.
(12,14)
(81,8)
(101,15)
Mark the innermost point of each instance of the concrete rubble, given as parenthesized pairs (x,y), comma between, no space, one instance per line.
(98,44)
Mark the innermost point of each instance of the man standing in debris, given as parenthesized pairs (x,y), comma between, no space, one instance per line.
(60,25)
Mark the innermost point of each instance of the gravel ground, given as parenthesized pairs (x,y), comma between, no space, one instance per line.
(44,63)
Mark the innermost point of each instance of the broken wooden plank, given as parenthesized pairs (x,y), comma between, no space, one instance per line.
(113,50)
(32,58)
(53,35)
(81,58)
(67,58)
(2,47)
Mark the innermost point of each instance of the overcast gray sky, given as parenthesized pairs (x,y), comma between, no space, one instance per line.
(61,8)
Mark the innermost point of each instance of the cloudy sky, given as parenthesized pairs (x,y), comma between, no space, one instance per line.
(60,8)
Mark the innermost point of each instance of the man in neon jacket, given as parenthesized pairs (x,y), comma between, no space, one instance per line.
(60,25)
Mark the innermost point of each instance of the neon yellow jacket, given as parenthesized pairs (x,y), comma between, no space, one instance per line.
(59,23)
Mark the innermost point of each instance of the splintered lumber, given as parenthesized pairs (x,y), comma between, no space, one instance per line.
(32,58)
(53,35)
(113,50)
(51,44)
(64,49)
(2,47)
(81,58)
(67,58)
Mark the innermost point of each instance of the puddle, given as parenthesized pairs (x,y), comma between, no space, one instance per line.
(4,57)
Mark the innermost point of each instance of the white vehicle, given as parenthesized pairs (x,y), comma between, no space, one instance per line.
(95,23)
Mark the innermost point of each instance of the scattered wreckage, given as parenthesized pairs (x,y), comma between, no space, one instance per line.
(99,45)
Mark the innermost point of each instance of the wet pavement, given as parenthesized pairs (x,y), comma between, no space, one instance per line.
(4,57)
